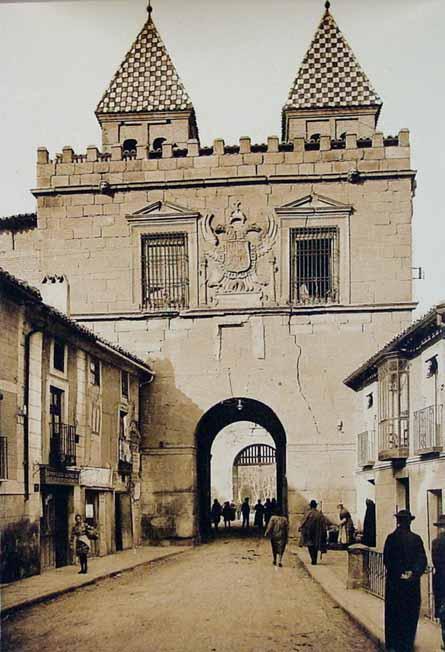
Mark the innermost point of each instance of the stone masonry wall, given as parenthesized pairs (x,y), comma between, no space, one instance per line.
(293,359)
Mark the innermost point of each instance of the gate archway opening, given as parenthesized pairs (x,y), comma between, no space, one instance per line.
(254,474)
(211,423)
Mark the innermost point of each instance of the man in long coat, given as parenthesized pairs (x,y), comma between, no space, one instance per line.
(405,561)
(314,532)
(438,557)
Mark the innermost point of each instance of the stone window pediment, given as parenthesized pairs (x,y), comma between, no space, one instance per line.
(162,212)
(314,204)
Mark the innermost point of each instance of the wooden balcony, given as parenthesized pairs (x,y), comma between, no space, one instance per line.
(427,430)
(394,439)
(366,448)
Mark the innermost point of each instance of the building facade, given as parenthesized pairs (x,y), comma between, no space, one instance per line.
(401,440)
(253,276)
(69,437)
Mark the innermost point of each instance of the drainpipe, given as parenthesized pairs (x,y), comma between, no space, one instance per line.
(26,410)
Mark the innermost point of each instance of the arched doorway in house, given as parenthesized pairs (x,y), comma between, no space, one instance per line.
(216,419)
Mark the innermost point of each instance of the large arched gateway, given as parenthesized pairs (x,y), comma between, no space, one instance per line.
(212,422)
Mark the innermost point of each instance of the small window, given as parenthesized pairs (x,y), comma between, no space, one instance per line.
(125,384)
(59,355)
(94,371)
(165,271)
(157,144)
(314,265)
(129,148)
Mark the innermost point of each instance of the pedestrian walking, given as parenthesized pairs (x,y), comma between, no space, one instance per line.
(227,514)
(216,512)
(81,534)
(313,531)
(405,561)
(259,515)
(346,526)
(267,511)
(278,531)
(273,506)
(245,511)
(438,557)
(369,525)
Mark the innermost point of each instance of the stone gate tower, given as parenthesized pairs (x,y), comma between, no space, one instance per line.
(254,277)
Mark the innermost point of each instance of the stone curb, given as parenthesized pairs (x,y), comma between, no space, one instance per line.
(369,628)
(50,595)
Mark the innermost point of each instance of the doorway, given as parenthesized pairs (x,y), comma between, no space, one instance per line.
(54,532)
(123,521)
(222,414)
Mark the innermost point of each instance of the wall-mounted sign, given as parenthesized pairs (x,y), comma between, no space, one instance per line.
(92,476)
(49,475)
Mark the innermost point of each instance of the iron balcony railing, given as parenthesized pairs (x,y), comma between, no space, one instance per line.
(428,437)
(375,573)
(3,458)
(63,440)
(394,438)
(366,448)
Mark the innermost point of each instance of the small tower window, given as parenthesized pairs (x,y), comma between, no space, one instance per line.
(129,148)
(157,144)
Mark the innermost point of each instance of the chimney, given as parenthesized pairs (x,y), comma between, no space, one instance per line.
(55,291)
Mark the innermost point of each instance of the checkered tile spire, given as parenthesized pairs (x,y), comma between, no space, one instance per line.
(330,75)
(146,80)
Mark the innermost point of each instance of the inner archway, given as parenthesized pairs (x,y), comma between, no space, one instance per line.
(222,414)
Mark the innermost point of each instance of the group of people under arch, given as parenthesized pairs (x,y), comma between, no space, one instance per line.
(229,512)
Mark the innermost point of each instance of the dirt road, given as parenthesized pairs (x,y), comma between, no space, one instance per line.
(222,597)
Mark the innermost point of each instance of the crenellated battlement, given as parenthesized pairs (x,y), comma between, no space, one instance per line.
(323,155)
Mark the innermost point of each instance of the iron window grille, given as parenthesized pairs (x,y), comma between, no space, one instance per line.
(314,272)
(165,271)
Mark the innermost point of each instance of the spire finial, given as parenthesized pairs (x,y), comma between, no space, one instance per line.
(149,8)
(327,5)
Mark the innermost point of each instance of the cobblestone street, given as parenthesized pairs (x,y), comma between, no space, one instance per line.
(215,598)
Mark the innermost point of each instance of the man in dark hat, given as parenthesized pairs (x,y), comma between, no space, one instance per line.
(405,561)
(314,532)
(438,557)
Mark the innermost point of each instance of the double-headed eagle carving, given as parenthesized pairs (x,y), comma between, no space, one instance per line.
(235,249)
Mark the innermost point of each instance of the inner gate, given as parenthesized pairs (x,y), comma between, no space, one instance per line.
(211,423)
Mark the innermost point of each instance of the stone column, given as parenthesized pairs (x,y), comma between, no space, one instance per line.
(357,566)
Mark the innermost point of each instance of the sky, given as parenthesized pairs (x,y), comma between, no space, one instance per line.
(237,59)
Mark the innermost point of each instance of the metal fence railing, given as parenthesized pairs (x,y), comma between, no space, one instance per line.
(394,434)
(427,429)
(62,445)
(376,573)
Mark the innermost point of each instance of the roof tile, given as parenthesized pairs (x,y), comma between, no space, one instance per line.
(136,86)
(330,75)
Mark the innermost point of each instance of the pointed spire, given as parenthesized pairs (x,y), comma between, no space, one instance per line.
(147,80)
(330,75)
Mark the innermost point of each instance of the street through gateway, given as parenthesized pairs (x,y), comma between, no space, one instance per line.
(223,597)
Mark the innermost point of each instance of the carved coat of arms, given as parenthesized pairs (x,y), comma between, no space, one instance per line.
(235,249)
